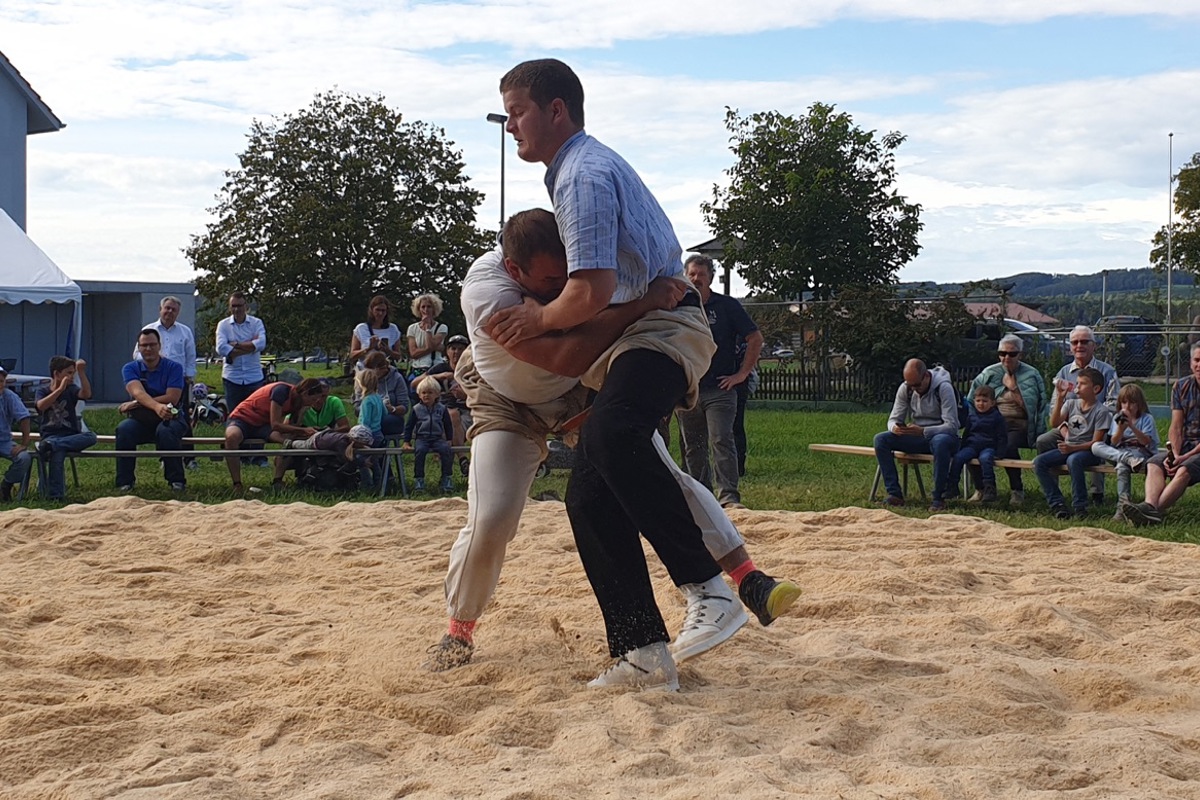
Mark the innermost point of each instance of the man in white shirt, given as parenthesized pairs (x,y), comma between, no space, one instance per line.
(178,341)
(241,338)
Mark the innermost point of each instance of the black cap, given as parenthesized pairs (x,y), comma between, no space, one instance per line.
(458,338)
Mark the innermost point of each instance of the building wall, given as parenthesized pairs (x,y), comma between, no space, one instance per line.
(31,333)
(13,125)
(113,313)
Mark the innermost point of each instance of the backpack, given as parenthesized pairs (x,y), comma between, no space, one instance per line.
(964,408)
(328,475)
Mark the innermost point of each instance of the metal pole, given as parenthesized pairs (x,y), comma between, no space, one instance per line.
(502,217)
(501,120)
(1170,224)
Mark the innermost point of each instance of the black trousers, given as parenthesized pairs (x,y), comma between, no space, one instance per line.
(739,426)
(620,487)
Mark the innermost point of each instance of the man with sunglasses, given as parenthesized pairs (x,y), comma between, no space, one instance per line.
(1023,401)
(1083,346)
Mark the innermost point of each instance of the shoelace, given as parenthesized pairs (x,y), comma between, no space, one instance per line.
(697,611)
(620,662)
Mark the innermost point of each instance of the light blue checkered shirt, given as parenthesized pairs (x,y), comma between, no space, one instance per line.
(608,219)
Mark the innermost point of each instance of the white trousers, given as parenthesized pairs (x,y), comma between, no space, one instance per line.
(503,465)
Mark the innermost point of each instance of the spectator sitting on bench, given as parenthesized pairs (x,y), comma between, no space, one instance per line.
(263,415)
(429,424)
(1169,474)
(1021,396)
(453,396)
(61,429)
(392,389)
(1082,421)
(155,386)
(924,419)
(322,412)
(1083,346)
(13,412)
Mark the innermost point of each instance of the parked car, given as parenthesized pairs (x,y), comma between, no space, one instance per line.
(984,337)
(1129,343)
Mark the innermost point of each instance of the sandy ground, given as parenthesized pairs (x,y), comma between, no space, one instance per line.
(176,650)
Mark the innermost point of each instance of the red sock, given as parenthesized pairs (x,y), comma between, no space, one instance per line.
(462,629)
(739,572)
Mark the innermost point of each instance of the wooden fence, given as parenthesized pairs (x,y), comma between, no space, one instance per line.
(796,382)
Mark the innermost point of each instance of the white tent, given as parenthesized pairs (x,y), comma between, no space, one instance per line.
(27,275)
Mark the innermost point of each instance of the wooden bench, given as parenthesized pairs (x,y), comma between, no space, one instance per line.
(393,456)
(913,460)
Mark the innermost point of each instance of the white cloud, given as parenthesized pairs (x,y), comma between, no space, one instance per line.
(158,98)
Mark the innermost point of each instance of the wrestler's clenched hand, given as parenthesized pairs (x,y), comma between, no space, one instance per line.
(510,326)
(665,293)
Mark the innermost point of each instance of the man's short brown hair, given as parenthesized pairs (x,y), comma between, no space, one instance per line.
(547,79)
(530,233)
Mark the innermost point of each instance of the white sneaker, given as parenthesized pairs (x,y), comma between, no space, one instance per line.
(649,667)
(713,615)
(977,497)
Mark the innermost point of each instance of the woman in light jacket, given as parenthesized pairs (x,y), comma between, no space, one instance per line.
(1022,398)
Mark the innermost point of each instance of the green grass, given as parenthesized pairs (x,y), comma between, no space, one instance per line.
(783,474)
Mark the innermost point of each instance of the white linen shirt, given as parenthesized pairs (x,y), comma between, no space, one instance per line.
(247,368)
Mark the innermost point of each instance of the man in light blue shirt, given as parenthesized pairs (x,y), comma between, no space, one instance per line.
(241,338)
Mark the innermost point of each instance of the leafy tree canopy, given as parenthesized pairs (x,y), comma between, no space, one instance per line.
(811,205)
(1185,238)
(332,205)
(882,330)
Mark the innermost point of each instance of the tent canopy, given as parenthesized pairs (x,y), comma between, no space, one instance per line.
(27,275)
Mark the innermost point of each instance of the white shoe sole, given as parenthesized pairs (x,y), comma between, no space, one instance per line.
(694,646)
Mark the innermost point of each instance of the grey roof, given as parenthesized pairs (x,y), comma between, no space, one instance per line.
(41,118)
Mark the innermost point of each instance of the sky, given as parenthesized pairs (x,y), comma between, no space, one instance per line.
(1038,134)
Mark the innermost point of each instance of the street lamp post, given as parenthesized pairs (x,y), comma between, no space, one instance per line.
(1170,224)
(501,120)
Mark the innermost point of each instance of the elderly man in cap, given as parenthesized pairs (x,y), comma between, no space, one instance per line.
(13,413)
(1083,346)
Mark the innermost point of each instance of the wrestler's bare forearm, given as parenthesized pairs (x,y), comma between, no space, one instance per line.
(571,353)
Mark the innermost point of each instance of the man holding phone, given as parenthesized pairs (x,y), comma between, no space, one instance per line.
(924,419)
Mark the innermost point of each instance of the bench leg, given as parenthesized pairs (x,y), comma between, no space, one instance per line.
(23,489)
(388,461)
(875,485)
(920,482)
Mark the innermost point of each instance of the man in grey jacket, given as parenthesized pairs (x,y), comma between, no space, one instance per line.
(924,419)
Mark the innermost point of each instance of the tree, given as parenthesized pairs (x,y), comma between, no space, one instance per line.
(811,204)
(332,205)
(881,330)
(1185,236)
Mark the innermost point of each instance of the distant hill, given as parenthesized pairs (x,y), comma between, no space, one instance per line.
(1041,284)
(1074,299)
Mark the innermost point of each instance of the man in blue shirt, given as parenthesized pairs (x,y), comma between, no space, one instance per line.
(711,423)
(617,240)
(155,386)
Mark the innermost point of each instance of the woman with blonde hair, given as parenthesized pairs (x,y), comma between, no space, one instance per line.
(426,335)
